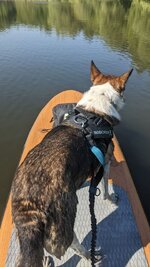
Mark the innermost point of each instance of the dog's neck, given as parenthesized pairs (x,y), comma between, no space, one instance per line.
(103,100)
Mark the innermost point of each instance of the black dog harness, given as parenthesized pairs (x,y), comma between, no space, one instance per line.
(96,129)
(99,132)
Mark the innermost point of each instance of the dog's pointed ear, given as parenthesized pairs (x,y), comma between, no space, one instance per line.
(119,82)
(124,77)
(95,72)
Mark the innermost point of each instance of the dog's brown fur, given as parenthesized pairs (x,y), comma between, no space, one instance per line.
(44,193)
(44,197)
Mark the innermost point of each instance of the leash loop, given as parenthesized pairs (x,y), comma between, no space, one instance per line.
(98,192)
(95,191)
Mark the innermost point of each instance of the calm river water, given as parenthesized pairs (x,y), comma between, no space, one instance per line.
(46,47)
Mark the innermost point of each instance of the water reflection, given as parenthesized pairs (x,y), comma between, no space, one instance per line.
(123,24)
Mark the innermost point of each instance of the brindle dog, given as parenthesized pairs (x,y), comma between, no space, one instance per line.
(44,200)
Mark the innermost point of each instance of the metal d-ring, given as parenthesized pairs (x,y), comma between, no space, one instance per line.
(95,191)
(82,123)
(98,193)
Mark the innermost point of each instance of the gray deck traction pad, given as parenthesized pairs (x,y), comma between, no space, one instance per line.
(117,234)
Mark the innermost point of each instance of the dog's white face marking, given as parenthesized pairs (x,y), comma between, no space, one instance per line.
(103,99)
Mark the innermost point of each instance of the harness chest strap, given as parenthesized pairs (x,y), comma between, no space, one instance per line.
(98,154)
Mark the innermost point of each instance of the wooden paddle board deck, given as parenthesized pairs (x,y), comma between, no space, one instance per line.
(119,177)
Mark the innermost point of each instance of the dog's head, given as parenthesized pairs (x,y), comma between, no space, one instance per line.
(106,94)
(110,86)
(117,82)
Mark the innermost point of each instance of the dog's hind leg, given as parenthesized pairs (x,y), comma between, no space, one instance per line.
(83,252)
(31,246)
(79,249)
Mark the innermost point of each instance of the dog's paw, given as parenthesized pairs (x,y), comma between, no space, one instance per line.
(113,198)
(86,255)
(97,257)
(47,261)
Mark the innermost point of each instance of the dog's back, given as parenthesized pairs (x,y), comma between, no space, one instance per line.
(44,194)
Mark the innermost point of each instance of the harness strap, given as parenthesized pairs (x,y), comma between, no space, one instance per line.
(98,154)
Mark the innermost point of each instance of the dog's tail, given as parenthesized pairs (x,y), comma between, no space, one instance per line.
(31,245)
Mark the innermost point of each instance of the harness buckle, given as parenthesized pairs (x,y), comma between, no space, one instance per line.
(78,119)
(98,121)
